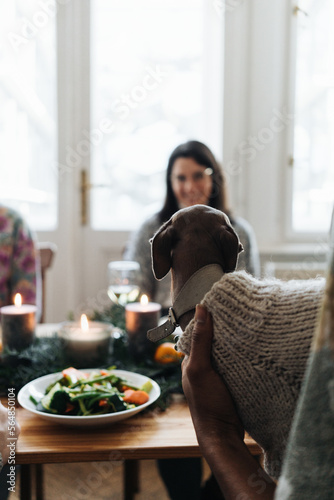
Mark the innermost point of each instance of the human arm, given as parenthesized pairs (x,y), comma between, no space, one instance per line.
(25,267)
(218,428)
(20,268)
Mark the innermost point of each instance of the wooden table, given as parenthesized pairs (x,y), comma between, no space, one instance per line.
(149,435)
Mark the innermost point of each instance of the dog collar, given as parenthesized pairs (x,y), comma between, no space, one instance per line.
(189,296)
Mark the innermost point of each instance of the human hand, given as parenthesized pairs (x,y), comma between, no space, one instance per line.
(4,433)
(210,403)
(218,428)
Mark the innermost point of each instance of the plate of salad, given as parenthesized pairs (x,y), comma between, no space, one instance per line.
(88,397)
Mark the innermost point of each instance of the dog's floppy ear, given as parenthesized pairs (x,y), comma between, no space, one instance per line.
(230,247)
(161,249)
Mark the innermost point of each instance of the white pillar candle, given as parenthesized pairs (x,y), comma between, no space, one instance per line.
(18,324)
(86,343)
(139,318)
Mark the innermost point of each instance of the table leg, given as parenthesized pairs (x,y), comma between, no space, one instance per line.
(39,478)
(25,482)
(131,478)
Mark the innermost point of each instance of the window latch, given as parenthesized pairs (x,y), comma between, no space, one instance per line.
(85,186)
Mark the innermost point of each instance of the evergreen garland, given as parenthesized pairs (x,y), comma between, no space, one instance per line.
(47,355)
(44,356)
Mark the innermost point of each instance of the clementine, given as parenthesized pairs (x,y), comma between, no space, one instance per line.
(166,353)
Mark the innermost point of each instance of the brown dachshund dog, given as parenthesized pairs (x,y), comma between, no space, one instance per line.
(192,238)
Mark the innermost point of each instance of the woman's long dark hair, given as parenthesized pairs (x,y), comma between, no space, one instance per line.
(203,156)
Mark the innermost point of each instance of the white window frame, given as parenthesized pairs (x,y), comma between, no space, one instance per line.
(259,82)
(290,233)
(212,82)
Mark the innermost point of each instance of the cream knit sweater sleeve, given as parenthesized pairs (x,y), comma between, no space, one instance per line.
(262,336)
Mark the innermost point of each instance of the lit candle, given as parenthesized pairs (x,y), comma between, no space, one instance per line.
(18,324)
(139,318)
(86,343)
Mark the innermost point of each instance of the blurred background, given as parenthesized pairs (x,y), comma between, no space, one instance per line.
(95,94)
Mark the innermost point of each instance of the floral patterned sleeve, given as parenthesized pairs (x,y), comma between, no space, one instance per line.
(19,263)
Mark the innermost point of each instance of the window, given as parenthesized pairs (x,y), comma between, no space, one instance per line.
(28,112)
(149,93)
(313,153)
(155,81)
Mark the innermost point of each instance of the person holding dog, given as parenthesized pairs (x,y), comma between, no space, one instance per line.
(193,177)
(307,470)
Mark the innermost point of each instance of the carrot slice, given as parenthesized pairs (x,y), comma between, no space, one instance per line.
(135,397)
(103,402)
(104,372)
(69,407)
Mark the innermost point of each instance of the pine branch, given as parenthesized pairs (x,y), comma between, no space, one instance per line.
(47,355)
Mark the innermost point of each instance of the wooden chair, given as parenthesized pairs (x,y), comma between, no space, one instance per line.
(47,251)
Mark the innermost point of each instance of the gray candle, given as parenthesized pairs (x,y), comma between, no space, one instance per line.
(86,344)
(139,318)
(18,324)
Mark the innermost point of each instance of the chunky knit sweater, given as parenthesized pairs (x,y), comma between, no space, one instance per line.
(262,337)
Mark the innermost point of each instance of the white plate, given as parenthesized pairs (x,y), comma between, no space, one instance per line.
(36,389)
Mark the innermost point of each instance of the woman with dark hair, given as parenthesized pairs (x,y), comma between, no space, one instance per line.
(193,177)
(196,153)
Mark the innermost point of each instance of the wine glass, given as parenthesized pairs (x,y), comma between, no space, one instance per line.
(123,277)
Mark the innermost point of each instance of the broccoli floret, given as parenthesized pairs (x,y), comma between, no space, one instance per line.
(117,403)
(59,401)
(56,400)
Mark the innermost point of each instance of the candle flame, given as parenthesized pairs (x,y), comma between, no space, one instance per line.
(144,300)
(18,300)
(84,323)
